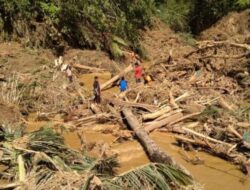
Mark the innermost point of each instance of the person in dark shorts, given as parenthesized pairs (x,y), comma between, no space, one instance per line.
(97,91)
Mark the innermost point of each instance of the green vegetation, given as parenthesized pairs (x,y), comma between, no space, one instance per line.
(97,24)
(42,161)
(84,23)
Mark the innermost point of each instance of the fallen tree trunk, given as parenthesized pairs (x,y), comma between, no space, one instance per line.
(117,102)
(184,117)
(163,122)
(167,115)
(156,114)
(192,141)
(154,153)
(207,137)
(117,77)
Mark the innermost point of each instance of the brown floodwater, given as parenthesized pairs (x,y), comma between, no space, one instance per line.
(88,80)
(214,173)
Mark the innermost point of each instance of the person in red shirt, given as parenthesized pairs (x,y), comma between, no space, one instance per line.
(138,72)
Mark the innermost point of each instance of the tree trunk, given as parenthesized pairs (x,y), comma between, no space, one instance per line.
(117,77)
(117,102)
(163,122)
(154,153)
(157,114)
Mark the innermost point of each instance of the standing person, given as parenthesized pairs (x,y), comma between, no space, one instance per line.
(123,85)
(138,72)
(69,74)
(97,91)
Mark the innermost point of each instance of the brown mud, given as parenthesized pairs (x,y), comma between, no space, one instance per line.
(213,173)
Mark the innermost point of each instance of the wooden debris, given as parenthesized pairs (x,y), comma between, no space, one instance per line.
(156,114)
(163,122)
(117,77)
(155,154)
(121,103)
(206,137)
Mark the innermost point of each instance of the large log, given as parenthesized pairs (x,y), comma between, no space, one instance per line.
(163,122)
(171,120)
(207,137)
(118,102)
(117,77)
(154,153)
(157,114)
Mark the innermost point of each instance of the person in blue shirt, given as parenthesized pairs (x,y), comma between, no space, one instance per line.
(123,85)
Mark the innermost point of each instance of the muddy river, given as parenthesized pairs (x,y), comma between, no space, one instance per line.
(213,173)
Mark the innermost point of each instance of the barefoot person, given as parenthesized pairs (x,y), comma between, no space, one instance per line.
(97,91)
(138,72)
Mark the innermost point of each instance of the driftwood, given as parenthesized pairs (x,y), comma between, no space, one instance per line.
(95,109)
(207,137)
(203,45)
(117,77)
(118,102)
(191,141)
(232,130)
(154,153)
(172,100)
(169,121)
(222,102)
(226,56)
(11,185)
(156,114)
(184,117)
(167,115)
(163,122)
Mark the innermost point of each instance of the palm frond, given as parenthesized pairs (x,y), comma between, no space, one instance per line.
(151,176)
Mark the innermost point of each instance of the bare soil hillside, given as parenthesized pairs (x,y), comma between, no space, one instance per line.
(235,27)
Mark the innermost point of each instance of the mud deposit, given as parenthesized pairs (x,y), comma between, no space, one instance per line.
(214,173)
